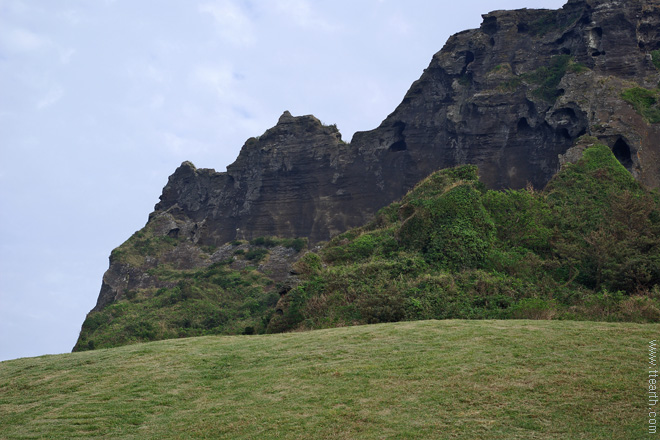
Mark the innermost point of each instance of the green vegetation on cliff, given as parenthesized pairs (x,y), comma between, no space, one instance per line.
(645,101)
(545,80)
(211,300)
(655,57)
(587,247)
(410,380)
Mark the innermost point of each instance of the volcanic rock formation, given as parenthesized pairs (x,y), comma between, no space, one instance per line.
(512,97)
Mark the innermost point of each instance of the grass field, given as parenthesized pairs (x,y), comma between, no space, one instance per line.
(409,380)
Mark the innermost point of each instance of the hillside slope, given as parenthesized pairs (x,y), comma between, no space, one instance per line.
(587,247)
(414,380)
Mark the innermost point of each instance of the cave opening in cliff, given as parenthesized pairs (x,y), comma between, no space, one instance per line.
(523,125)
(621,151)
(399,146)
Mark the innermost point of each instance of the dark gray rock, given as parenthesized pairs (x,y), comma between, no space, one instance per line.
(478,102)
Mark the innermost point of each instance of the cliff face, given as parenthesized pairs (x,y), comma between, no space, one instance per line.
(299,179)
(516,93)
(511,97)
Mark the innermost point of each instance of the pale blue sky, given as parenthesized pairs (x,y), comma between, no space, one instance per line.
(101,100)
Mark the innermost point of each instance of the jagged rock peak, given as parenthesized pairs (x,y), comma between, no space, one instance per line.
(296,126)
(188,164)
(186,167)
(285,118)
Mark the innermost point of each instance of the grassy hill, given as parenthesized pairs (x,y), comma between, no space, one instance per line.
(512,379)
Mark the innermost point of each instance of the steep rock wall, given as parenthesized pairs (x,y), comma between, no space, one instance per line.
(511,97)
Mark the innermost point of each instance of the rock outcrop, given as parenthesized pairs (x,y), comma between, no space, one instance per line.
(511,97)
(299,179)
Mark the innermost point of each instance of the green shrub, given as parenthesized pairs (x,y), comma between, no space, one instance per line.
(456,230)
(546,22)
(534,308)
(256,254)
(141,330)
(310,263)
(655,57)
(644,101)
(523,219)
(548,78)
(94,320)
(639,308)
(382,306)
(357,249)
(511,85)
(575,67)
(296,244)
(264,241)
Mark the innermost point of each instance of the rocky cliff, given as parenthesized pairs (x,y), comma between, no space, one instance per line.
(511,97)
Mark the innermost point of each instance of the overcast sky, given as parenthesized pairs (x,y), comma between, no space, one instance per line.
(101,100)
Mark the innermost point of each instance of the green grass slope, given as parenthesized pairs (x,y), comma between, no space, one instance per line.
(510,379)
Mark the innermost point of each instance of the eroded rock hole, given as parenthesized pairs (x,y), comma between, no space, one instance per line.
(523,28)
(621,151)
(399,126)
(523,125)
(399,146)
(469,57)
(566,113)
